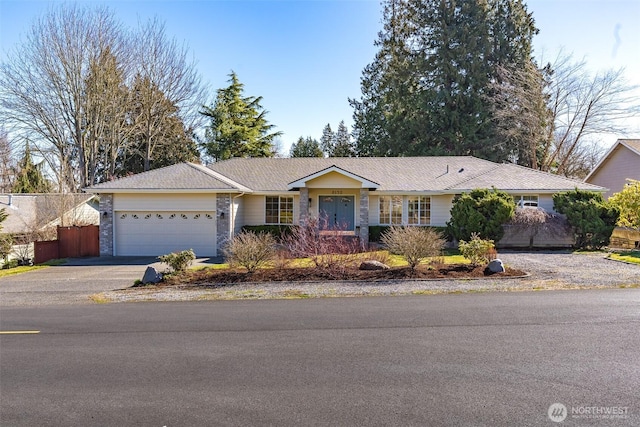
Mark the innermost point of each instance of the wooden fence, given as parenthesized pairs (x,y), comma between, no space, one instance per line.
(72,242)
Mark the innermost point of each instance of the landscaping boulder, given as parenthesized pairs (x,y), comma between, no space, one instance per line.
(373,265)
(495,266)
(151,275)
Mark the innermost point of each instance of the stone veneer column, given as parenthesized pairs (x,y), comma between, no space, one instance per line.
(223,221)
(364,217)
(106,224)
(303,206)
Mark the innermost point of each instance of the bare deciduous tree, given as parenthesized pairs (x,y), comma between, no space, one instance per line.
(43,84)
(583,105)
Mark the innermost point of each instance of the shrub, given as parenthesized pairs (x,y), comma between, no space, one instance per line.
(279,232)
(328,249)
(413,243)
(534,221)
(477,250)
(591,218)
(481,211)
(628,202)
(178,261)
(6,245)
(10,264)
(250,250)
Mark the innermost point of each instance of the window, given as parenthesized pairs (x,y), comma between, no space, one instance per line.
(278,210)
(391,210)
(526,201)
(419,210)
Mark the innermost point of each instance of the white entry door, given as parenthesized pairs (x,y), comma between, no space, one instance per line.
(160,233)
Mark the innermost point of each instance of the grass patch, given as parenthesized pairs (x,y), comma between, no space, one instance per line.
(21,269)
(99,299)
(632,257)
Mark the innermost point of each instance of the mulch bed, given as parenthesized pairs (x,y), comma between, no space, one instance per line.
(227,276)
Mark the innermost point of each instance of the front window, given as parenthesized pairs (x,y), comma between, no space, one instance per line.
(391,210)
(526,201)
(278,210)
(419,210)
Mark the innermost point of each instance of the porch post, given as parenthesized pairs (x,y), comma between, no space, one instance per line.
(105,209)
(303,205)
(364,217)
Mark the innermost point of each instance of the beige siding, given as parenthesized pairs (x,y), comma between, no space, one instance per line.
(333,180)
(441,209)
(621,164)
(166,202)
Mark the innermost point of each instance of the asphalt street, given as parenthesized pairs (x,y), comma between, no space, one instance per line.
(491,359)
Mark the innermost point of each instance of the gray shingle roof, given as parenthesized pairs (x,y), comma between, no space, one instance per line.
(30,212)
(449,174)
(181,176)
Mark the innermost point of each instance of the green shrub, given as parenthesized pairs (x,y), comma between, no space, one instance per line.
(477,250)
(250,250)
(481,211)
(277,231)
(591,218)
(413,243)
(10,264)
(178,261)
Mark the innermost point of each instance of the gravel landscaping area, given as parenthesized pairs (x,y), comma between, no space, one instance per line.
(547,270)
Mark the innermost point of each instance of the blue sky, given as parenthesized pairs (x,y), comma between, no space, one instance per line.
(305,57)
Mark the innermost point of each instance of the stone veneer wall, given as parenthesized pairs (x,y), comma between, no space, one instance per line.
(304,206)
(223,225)
(106,224)
(364,217)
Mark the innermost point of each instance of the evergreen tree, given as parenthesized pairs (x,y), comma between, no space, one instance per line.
(29,177)
(306,147)
(343,146)
(327,140)
(426,91)
(238,127)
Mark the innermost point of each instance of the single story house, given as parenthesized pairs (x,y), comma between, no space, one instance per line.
(199,207)
(620,163)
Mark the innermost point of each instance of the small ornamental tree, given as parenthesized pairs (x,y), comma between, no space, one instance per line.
(481,211)
(628,202)
(591,218)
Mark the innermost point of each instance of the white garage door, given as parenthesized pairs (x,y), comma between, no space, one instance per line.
(159,233)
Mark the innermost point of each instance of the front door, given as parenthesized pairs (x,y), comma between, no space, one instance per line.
(338,211)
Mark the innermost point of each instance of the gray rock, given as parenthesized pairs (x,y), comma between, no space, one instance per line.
(373,265)
(151,275)
(496,266)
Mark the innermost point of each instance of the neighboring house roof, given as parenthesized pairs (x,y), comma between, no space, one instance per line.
(445,174)
(178,177)
(632,144)
(34,212)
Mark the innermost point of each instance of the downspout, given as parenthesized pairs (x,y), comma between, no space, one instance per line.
(233,213)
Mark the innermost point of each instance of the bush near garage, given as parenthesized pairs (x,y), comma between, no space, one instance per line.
(179,261)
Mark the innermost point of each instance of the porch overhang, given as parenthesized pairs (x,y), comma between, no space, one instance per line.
(303,182)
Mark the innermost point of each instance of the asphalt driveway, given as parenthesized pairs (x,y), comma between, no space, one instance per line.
(72,282)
